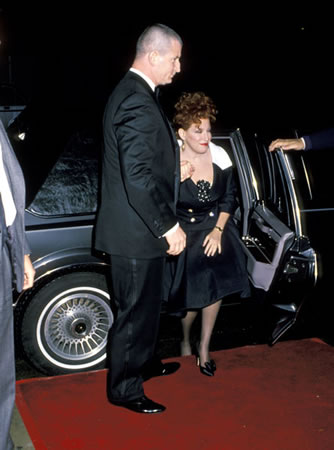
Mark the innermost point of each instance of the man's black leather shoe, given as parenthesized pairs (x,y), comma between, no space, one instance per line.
(141,405)
(160,370)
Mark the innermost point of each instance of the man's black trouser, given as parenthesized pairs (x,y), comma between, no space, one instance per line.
(137,290)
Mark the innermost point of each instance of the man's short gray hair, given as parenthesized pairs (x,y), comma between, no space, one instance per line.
(156,37)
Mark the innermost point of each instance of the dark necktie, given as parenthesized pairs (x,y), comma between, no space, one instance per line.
(157,98)
(170,129)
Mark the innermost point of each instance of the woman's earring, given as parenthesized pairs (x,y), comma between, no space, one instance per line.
(182,146)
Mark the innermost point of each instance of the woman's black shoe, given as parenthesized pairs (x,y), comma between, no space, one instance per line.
(209,366)
(207,369)
(213,365)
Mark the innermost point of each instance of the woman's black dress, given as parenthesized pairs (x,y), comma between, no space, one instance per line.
(193,279)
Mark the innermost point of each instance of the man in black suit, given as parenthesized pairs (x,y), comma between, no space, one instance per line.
(136,222)
(319,141)
(15,267)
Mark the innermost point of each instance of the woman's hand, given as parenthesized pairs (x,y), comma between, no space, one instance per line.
(186,169)
(212,243)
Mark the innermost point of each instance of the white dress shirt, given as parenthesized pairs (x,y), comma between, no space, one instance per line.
(145,77)
(6,195)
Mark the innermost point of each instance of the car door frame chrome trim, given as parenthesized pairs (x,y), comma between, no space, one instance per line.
(307,178)
(289,177)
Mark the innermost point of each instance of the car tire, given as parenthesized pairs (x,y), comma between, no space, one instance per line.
(66,323)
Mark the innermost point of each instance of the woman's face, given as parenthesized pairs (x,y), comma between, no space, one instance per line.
(197,137)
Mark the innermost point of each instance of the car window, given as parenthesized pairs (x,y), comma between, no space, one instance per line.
(71,185)
(269,179)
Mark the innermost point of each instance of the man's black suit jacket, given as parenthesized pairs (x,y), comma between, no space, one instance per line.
(139,173)
(320,140)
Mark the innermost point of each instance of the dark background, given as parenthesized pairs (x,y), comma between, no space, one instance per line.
(264,66)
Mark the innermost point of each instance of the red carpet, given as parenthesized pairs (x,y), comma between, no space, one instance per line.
(260,398)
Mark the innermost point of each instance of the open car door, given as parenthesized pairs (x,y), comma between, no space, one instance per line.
(280,261)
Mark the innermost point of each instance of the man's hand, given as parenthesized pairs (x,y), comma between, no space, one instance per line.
(29,273)
(287,144)
(176,242)
(187,170)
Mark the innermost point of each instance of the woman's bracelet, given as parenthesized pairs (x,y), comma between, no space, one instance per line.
(219,228)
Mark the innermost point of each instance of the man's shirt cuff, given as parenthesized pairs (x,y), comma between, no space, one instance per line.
(175,227)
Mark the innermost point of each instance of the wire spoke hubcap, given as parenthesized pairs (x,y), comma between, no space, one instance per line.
(77,326)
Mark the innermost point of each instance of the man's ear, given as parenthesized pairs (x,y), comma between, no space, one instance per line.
(153,57)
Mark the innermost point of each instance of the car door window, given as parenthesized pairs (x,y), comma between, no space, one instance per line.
(71,186)
(272,187)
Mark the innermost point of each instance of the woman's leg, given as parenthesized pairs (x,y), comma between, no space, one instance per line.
(209,316)
(187,322)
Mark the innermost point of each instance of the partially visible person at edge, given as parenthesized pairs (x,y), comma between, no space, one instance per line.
(318,141)
(136,223)
(213,265)
(16,267)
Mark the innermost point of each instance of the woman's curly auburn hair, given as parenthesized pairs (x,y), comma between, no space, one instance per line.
(191,108)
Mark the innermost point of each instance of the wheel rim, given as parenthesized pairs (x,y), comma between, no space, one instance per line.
(75,327)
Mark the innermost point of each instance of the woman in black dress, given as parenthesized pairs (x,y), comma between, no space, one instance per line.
(213,264)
